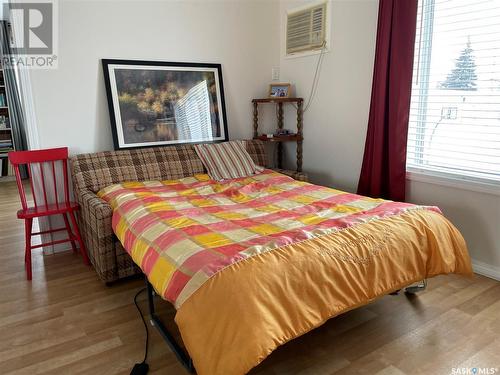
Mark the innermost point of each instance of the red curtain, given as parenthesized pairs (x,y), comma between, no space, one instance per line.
(383,173)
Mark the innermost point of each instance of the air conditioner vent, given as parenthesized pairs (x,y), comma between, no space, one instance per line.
(305,29)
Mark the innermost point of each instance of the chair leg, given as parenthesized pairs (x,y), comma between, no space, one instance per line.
(28,224)
(70,232)
(79,238)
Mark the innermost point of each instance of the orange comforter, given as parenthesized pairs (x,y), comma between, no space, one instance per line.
(329,252)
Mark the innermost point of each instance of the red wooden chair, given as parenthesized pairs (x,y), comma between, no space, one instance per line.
(44,162)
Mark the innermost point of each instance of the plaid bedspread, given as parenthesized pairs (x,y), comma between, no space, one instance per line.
(182,232)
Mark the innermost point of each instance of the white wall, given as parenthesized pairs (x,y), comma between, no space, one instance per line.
(3,16)
(70,102)
(335,127)
(335,123)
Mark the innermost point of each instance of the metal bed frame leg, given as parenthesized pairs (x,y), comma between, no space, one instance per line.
(155,321)
(418,287)
(412,289)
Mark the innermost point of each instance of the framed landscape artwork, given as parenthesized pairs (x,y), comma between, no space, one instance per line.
(155,103)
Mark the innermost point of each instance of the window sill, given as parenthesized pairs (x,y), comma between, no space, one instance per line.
(443,179)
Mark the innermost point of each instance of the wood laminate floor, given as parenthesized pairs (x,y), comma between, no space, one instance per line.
(67,322)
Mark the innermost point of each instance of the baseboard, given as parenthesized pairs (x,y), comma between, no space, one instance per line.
(486,269)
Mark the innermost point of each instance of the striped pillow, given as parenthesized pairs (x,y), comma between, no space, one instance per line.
(227,160)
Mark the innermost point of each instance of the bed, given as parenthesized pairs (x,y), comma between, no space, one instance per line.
(254,262)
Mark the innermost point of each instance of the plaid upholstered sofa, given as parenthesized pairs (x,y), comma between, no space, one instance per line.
(92,172)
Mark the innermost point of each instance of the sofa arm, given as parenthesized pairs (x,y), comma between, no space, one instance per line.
(95,226)
(107,255)
(91,203)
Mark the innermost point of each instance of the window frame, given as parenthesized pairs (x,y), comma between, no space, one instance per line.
(452,180)
(435,175)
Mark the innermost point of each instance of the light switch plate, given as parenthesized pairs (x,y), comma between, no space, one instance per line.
(275,73)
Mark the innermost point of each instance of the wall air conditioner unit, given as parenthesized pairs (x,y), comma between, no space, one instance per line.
(306,29)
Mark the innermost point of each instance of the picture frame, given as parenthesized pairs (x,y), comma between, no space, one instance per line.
(279,90)
(155,103)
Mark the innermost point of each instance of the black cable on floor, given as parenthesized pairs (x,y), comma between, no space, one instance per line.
(141,368)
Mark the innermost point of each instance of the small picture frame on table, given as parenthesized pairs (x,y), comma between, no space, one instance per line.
(279,90)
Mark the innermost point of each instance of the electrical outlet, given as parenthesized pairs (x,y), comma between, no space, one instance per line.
(275,73)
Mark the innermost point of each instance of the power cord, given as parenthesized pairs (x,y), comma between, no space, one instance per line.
(141,368)
(315,80)
(314,85)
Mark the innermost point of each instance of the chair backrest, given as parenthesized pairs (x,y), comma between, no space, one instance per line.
(45,177)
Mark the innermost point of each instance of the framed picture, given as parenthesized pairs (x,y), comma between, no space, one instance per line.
(279,90)
(154,103)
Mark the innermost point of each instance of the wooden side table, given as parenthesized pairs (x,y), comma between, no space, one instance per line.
(298,137)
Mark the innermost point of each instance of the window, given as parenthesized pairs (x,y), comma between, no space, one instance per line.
(454,126)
